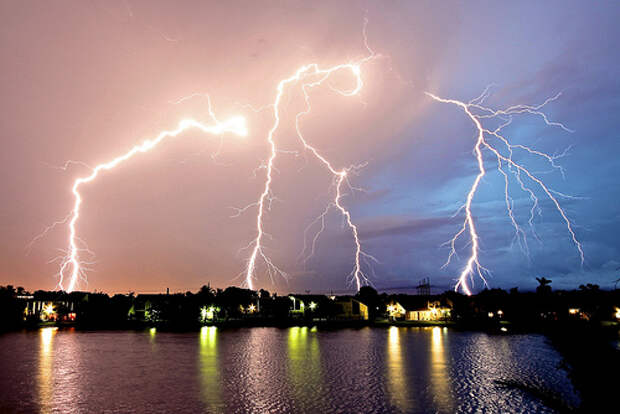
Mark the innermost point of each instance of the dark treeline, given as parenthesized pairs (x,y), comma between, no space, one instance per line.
(524,311)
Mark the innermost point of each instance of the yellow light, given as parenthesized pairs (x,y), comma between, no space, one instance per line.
(573,311)
(152,331)
(491,314)
(48,309)
(500,312)
(208,335)
(312,305)
(617,313)
(251,308)
(47,335)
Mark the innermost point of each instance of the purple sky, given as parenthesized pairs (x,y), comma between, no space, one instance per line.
(87,80)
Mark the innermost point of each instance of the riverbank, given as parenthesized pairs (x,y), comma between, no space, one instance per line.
(257,322)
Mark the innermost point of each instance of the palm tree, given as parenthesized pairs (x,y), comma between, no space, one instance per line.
(543,285)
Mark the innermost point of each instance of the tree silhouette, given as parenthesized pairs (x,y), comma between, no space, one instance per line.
(543,285)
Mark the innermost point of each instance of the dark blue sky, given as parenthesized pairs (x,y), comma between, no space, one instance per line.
(530,52)
(87,81)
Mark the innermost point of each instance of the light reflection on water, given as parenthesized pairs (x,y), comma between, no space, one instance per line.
(439,373)
(304,364)
(399,391)
(299,369)
(46,364)
(209,368)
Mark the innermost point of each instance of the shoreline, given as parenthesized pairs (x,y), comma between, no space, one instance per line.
(494,327)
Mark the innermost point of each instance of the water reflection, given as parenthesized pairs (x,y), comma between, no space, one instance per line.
(396,375)
(400,370)
(439,378)
(209,368)
(304,363)
(45,380)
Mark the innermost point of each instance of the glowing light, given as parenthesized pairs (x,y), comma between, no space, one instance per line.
(252,308)
(47,334)
(48,309)
(397,379)
(72,266)
(573,311)
(439,371)
(618,313)
(312,305)
(45,378)
(208,335)
(478,113)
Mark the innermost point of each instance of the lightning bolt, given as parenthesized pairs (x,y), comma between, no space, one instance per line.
(310,76)
(72,266)
(493,141)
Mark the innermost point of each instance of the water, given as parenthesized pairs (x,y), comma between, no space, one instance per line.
(258,370)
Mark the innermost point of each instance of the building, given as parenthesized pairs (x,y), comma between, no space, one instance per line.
(347,307)
(415,308)
(312,306)
(51,306)
(323,307)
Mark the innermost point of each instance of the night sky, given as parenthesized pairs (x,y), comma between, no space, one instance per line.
(87,80)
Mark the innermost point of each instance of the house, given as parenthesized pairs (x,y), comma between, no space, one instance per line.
(324,307)
(434,311)
(51,306)
(396,311)
(347,307)
(418,308)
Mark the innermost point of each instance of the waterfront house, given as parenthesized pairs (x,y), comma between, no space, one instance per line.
(349,308)
(51,306)
(419,308)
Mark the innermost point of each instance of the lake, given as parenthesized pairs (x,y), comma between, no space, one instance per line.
(259,370)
